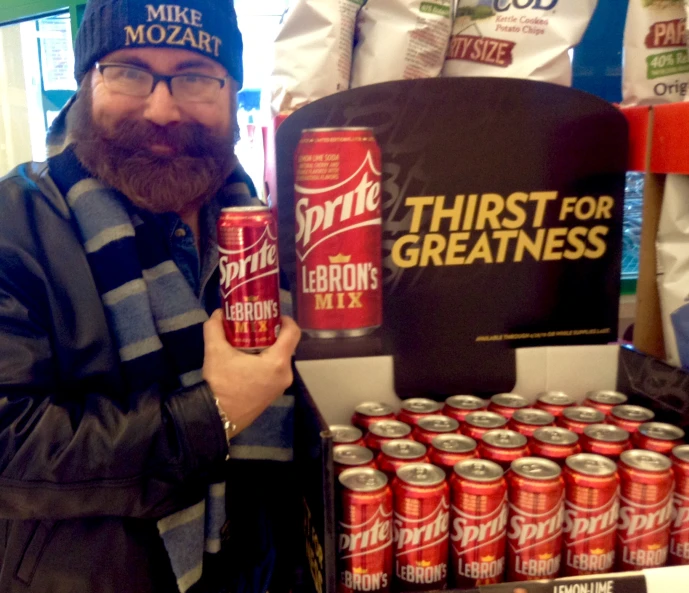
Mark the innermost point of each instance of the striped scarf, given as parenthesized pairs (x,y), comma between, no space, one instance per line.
(158,326)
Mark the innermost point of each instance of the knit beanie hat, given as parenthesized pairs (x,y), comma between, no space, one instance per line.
(207,27)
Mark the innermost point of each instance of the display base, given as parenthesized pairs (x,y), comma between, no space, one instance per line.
(330,389)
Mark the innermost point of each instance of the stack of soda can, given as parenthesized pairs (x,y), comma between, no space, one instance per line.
(474,492)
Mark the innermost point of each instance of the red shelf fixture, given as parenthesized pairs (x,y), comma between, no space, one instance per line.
(657,146)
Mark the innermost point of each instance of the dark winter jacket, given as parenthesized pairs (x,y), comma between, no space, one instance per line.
(85,468)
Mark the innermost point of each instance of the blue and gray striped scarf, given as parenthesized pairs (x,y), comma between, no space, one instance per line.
(158,325)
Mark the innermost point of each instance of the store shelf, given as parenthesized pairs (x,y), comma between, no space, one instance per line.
(658,138)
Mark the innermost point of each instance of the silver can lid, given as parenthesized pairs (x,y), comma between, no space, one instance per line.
(245,209)
(403,449)
(390,429)
(504,439)
(437,423)
(509,400)
(661,431)
(373,409)
(633,413)
(478,470)
(648,461)
(584,414)
(607,397)
(555,398)
(555,435)
(454,443)
(363,479)
(344,433)
(590,464)
(533,416)
(536,468)
(421,474)
(465,402)
(485,419)
(608,433)
(340,129)
(681,452)
(421,405)
(352,455)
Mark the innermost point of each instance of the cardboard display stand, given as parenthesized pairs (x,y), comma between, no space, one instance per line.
(502,223)
(519,292)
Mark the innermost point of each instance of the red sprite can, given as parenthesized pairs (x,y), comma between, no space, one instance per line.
(658,437)
(578,418)
(367,413)
(449,449)
(630,417)
(679,529)
(386,430)
(430,427)
(592,506)
(503,447)
(421,527)
(526,421)
(458,406)
(604,400)
(478,528)
(477,424)
(249,277)
(534,536)
(348,456)
(554,402)
(605,439)
(554,443)
(337,197)
(646,488)
(412,410)
(505,404)
(344,434)
(364,532)
(396,454)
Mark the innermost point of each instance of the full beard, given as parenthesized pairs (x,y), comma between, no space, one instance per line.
(191,175)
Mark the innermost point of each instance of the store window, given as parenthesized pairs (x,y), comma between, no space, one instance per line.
(36,80)
(259,23)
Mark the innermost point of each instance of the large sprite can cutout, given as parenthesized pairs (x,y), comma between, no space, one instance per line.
(337,196)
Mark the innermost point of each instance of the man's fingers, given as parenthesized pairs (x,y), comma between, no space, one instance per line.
(213,330)
(287,341)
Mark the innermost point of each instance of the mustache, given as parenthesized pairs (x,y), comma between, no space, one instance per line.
(131,138)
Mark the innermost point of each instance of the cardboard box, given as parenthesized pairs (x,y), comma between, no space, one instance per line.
(330,389)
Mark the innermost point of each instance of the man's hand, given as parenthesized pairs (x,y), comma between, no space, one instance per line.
(246,384)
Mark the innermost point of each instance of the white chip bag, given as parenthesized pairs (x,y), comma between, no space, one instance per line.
(527,39)
(656,65)
(313,52)
(672,248)
(400,40)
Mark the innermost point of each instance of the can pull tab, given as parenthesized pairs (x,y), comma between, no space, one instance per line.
(651,460)
(366,480)
(478,470)
(592,465)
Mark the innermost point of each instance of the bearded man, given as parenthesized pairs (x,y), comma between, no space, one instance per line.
(118,394)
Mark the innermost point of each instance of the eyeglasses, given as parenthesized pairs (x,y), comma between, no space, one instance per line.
(137,82)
